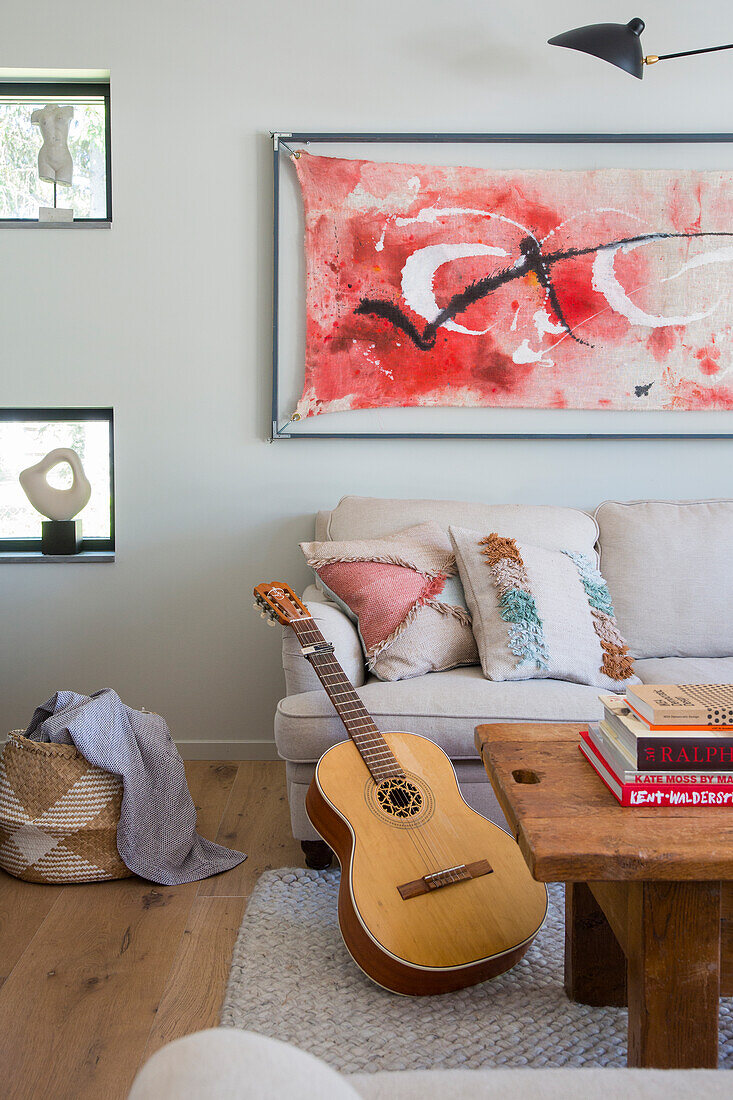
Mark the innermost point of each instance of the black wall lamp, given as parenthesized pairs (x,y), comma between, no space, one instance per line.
(620,45)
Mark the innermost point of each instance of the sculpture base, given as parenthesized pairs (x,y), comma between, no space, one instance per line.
(61,536)
(55,214)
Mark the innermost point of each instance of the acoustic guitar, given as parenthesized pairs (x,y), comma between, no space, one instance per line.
(433,897)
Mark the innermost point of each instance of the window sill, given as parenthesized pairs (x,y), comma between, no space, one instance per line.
(35,557)
(30,223)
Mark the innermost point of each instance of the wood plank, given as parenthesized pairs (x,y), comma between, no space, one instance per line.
(613,898)
(87,986)
(554,778)
(570,827)
(490,734)
(25,905)
(726,958)
(210,783)
(195,989)
(23,908)
(256,821)
(595,966)
(557,853)
(726,939)
(674,974)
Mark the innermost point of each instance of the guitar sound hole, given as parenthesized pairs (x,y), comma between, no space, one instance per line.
(399,798)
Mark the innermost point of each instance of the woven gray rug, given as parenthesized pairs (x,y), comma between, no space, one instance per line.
(293,979)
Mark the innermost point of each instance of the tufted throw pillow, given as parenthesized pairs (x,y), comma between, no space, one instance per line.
(404,593)
(539,613)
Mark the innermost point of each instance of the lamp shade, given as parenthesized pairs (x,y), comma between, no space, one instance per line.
(617,43)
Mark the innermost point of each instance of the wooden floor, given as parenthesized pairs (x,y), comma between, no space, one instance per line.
(93,979)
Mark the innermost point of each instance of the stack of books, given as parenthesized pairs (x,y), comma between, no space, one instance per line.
(665,745)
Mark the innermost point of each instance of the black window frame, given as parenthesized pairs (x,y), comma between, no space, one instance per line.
(53,90)
(11,545)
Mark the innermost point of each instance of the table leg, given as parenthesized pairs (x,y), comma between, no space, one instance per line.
(595,967)
(674,974)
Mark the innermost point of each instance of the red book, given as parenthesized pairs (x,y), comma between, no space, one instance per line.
(655,794)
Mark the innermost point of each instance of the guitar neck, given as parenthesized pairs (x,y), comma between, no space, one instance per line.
(360,726)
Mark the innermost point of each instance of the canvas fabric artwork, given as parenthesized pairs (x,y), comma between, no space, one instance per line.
(404,593)
(444,286)
(540,613)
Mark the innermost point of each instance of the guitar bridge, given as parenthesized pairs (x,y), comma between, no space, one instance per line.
(460,873)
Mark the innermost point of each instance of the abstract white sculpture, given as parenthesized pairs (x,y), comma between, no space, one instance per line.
(58,504)
(54,158)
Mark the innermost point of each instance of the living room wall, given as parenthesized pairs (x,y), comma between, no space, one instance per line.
(167,317)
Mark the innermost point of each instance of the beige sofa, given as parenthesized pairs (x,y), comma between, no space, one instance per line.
(225,1064)
(669,568)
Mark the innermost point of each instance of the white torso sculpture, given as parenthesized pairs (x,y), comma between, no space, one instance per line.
(54,159)
(59,504)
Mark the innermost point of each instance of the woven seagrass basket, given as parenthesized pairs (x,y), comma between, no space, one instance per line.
(58,814)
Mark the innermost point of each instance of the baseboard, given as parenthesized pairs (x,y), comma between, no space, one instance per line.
(228,750)
(220,750)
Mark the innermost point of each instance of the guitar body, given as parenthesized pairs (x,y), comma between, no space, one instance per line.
(433,897)
(419,939)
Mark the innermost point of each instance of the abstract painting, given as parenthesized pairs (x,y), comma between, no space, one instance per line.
(442,286)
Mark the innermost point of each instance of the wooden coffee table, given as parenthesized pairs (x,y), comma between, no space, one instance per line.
(649,897)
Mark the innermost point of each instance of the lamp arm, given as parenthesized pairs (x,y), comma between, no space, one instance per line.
(653,58)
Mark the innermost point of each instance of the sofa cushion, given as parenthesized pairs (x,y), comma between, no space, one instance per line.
(544,614)
(404,591)
(445,706)
(224,1063)
(554,528)
(685,670)
(566,1083)
(669,570)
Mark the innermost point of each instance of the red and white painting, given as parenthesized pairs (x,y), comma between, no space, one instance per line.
(606,289)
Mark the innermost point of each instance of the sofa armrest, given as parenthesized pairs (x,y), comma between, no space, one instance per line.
(336,628)
(224,1062)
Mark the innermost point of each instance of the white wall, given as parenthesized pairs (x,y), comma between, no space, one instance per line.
(167,316)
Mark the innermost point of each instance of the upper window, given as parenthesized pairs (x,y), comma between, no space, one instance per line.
(26,437)
(55,153)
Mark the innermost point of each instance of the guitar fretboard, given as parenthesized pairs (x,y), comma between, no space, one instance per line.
(376,753)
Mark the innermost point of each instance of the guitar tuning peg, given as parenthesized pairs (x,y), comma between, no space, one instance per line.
(255,606)
(263,615)
(271,621)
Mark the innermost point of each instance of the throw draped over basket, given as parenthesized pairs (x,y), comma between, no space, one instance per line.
(58,814)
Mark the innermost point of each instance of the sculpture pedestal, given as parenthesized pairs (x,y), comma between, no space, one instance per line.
(55,214)
(61,536)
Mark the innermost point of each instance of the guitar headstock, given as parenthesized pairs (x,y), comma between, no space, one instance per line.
(278,602)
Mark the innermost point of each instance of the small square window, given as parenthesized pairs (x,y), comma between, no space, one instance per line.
(26,436)
(78,117)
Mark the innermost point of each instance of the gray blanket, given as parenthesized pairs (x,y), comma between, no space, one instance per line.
(156,836)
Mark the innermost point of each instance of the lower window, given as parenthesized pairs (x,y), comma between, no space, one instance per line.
(26,436)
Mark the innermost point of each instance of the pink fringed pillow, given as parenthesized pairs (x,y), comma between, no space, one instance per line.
(405,596)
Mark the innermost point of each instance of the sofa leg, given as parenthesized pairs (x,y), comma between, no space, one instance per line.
(318,855)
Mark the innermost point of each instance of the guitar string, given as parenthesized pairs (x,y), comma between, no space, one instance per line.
(426,841)
(423,842)
(330,667)
(418,839)
(328,664)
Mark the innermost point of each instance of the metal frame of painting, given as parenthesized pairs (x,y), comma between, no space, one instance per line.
(288,142)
